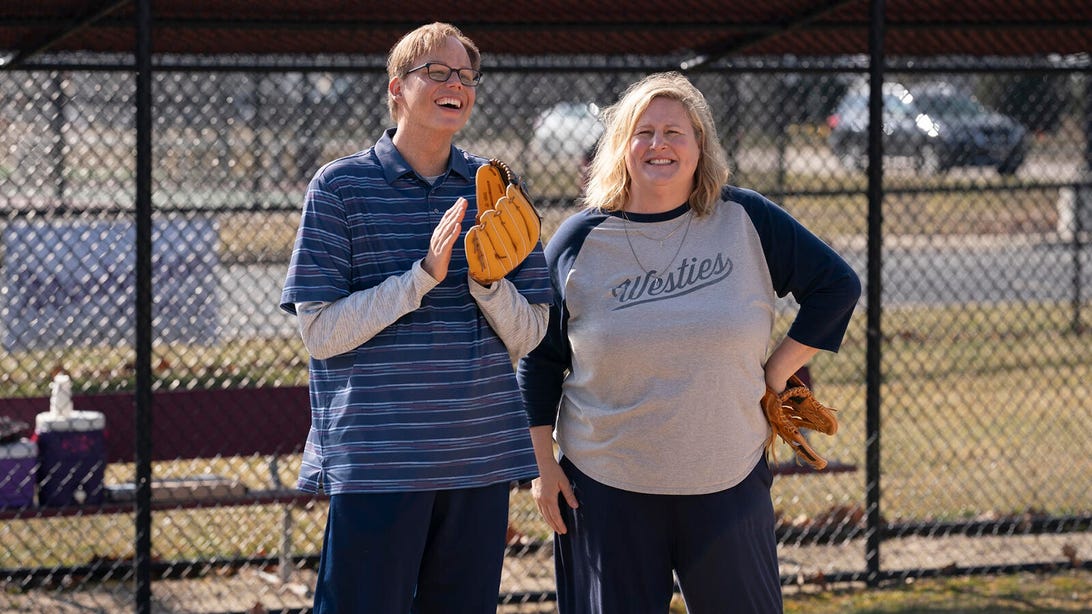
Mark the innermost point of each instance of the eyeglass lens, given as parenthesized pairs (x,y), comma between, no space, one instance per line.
(442,72)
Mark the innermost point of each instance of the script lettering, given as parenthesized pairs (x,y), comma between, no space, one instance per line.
(691,274)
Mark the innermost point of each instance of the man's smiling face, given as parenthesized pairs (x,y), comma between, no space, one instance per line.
(431,105)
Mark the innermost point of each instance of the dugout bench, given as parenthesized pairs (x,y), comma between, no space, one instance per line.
(269,423)
(260,423)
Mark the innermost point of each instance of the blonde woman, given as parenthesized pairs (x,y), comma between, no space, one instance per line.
(654,361)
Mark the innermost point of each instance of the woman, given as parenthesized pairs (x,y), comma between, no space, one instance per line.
(654,362)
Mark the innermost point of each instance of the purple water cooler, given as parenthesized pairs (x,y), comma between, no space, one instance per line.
(17,476)
(71,451)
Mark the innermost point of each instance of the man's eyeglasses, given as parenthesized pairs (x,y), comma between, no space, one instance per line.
(442,72)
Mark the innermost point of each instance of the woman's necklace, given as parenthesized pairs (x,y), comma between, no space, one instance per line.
(661,240)
(655,272)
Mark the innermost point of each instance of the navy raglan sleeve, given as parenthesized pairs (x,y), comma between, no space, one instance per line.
(801,264)
(542,372)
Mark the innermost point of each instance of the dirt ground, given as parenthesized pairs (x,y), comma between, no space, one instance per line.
(255,591)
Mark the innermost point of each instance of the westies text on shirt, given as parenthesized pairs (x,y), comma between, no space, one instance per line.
(691,274)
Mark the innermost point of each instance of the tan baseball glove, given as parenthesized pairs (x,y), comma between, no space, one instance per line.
(507,225)
(794,409)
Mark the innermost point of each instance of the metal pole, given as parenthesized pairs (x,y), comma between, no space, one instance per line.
(1082,200)
(143,545)
(874,532)
(57,123)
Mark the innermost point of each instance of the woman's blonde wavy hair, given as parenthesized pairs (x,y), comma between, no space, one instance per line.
(609,180)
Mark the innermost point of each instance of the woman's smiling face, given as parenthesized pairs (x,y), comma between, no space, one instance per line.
(663,151)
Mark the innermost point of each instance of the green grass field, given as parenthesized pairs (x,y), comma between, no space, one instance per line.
(969,431)
(983,414)
(1063,591)
(1054,593)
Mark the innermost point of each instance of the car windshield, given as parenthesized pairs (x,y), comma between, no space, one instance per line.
(949,106)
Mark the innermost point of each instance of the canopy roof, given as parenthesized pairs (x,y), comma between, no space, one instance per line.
(687,28)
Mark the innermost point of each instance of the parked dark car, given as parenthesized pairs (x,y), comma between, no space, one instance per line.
(934,124)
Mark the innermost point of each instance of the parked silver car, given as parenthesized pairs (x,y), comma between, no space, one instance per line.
(935,124)
(562,138)
(567,129)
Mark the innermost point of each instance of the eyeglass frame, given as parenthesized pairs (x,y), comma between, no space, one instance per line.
(457,71)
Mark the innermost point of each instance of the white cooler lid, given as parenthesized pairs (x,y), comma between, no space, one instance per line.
(46,422)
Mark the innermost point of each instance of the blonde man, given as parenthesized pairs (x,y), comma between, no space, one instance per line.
(417,428)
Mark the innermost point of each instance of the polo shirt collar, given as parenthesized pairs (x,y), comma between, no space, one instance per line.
(396,167)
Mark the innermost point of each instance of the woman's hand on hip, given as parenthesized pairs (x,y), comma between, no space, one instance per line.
(546,489)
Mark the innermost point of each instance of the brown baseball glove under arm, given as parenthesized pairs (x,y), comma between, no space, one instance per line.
(507,225)
(794,409)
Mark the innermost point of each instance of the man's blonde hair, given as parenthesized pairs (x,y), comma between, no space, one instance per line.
(414,45)
(609,179)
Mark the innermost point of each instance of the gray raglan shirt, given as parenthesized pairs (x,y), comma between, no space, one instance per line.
(653,379)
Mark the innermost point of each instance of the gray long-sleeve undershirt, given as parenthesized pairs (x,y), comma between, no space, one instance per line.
(332,328)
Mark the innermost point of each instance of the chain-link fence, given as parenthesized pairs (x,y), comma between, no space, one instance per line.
(985,274)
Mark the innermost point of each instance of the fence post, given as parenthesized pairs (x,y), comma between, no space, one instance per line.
(142,556)
(59,140)
(873,532)
(1082,206)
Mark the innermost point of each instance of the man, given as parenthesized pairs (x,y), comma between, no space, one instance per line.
(417,427)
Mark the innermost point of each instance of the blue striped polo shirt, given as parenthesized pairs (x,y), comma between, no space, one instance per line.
(431,402)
